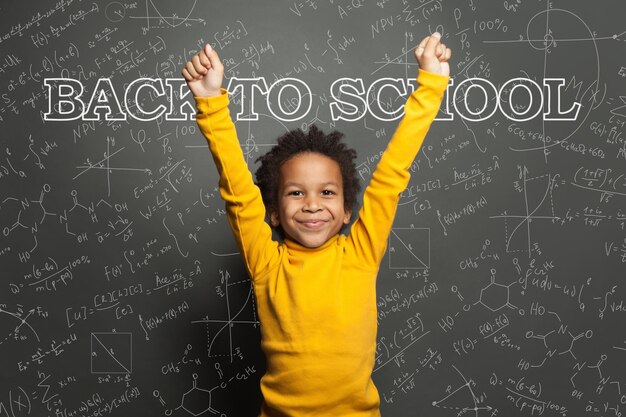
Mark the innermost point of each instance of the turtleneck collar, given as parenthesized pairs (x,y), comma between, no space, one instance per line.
(295,246)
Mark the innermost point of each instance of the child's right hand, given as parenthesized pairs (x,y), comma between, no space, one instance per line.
(432,55)
(204,73)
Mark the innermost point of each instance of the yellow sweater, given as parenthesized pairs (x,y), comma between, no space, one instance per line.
(317,307)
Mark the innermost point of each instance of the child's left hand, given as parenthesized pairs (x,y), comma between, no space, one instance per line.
(432,55)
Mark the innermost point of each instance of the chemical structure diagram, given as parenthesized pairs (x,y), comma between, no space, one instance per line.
(30,216)
(587,375)
(589,381)
(559,340)
(196,401)
(495,296)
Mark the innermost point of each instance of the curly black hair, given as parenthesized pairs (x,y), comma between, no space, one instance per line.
(296,142)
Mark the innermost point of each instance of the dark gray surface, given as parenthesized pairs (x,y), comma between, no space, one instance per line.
(502,292)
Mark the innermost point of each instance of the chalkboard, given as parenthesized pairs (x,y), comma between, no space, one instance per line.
(502,289)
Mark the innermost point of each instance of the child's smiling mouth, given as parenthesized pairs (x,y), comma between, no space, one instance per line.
(312,223)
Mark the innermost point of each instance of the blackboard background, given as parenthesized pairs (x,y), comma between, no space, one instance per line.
(502,292)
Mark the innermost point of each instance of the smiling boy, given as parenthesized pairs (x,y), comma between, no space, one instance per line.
(315,290)
(311,206)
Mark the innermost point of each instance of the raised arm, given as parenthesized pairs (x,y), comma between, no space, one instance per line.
(244,206)
(369,234)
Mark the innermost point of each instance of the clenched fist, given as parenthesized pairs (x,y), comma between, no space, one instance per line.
(204,73)
(432,55)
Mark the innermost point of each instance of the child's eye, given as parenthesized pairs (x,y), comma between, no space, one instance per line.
(296,193)
(328,192)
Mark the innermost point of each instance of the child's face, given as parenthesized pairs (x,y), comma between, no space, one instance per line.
(310,199)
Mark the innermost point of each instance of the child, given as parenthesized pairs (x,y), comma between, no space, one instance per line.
(315,291)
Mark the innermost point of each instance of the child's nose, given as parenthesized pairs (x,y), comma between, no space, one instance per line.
(311,203)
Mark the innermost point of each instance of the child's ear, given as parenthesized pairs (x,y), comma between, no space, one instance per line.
(346,216)
(274,219)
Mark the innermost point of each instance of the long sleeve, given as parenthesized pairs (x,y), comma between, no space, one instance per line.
(370,231)
(244,205)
